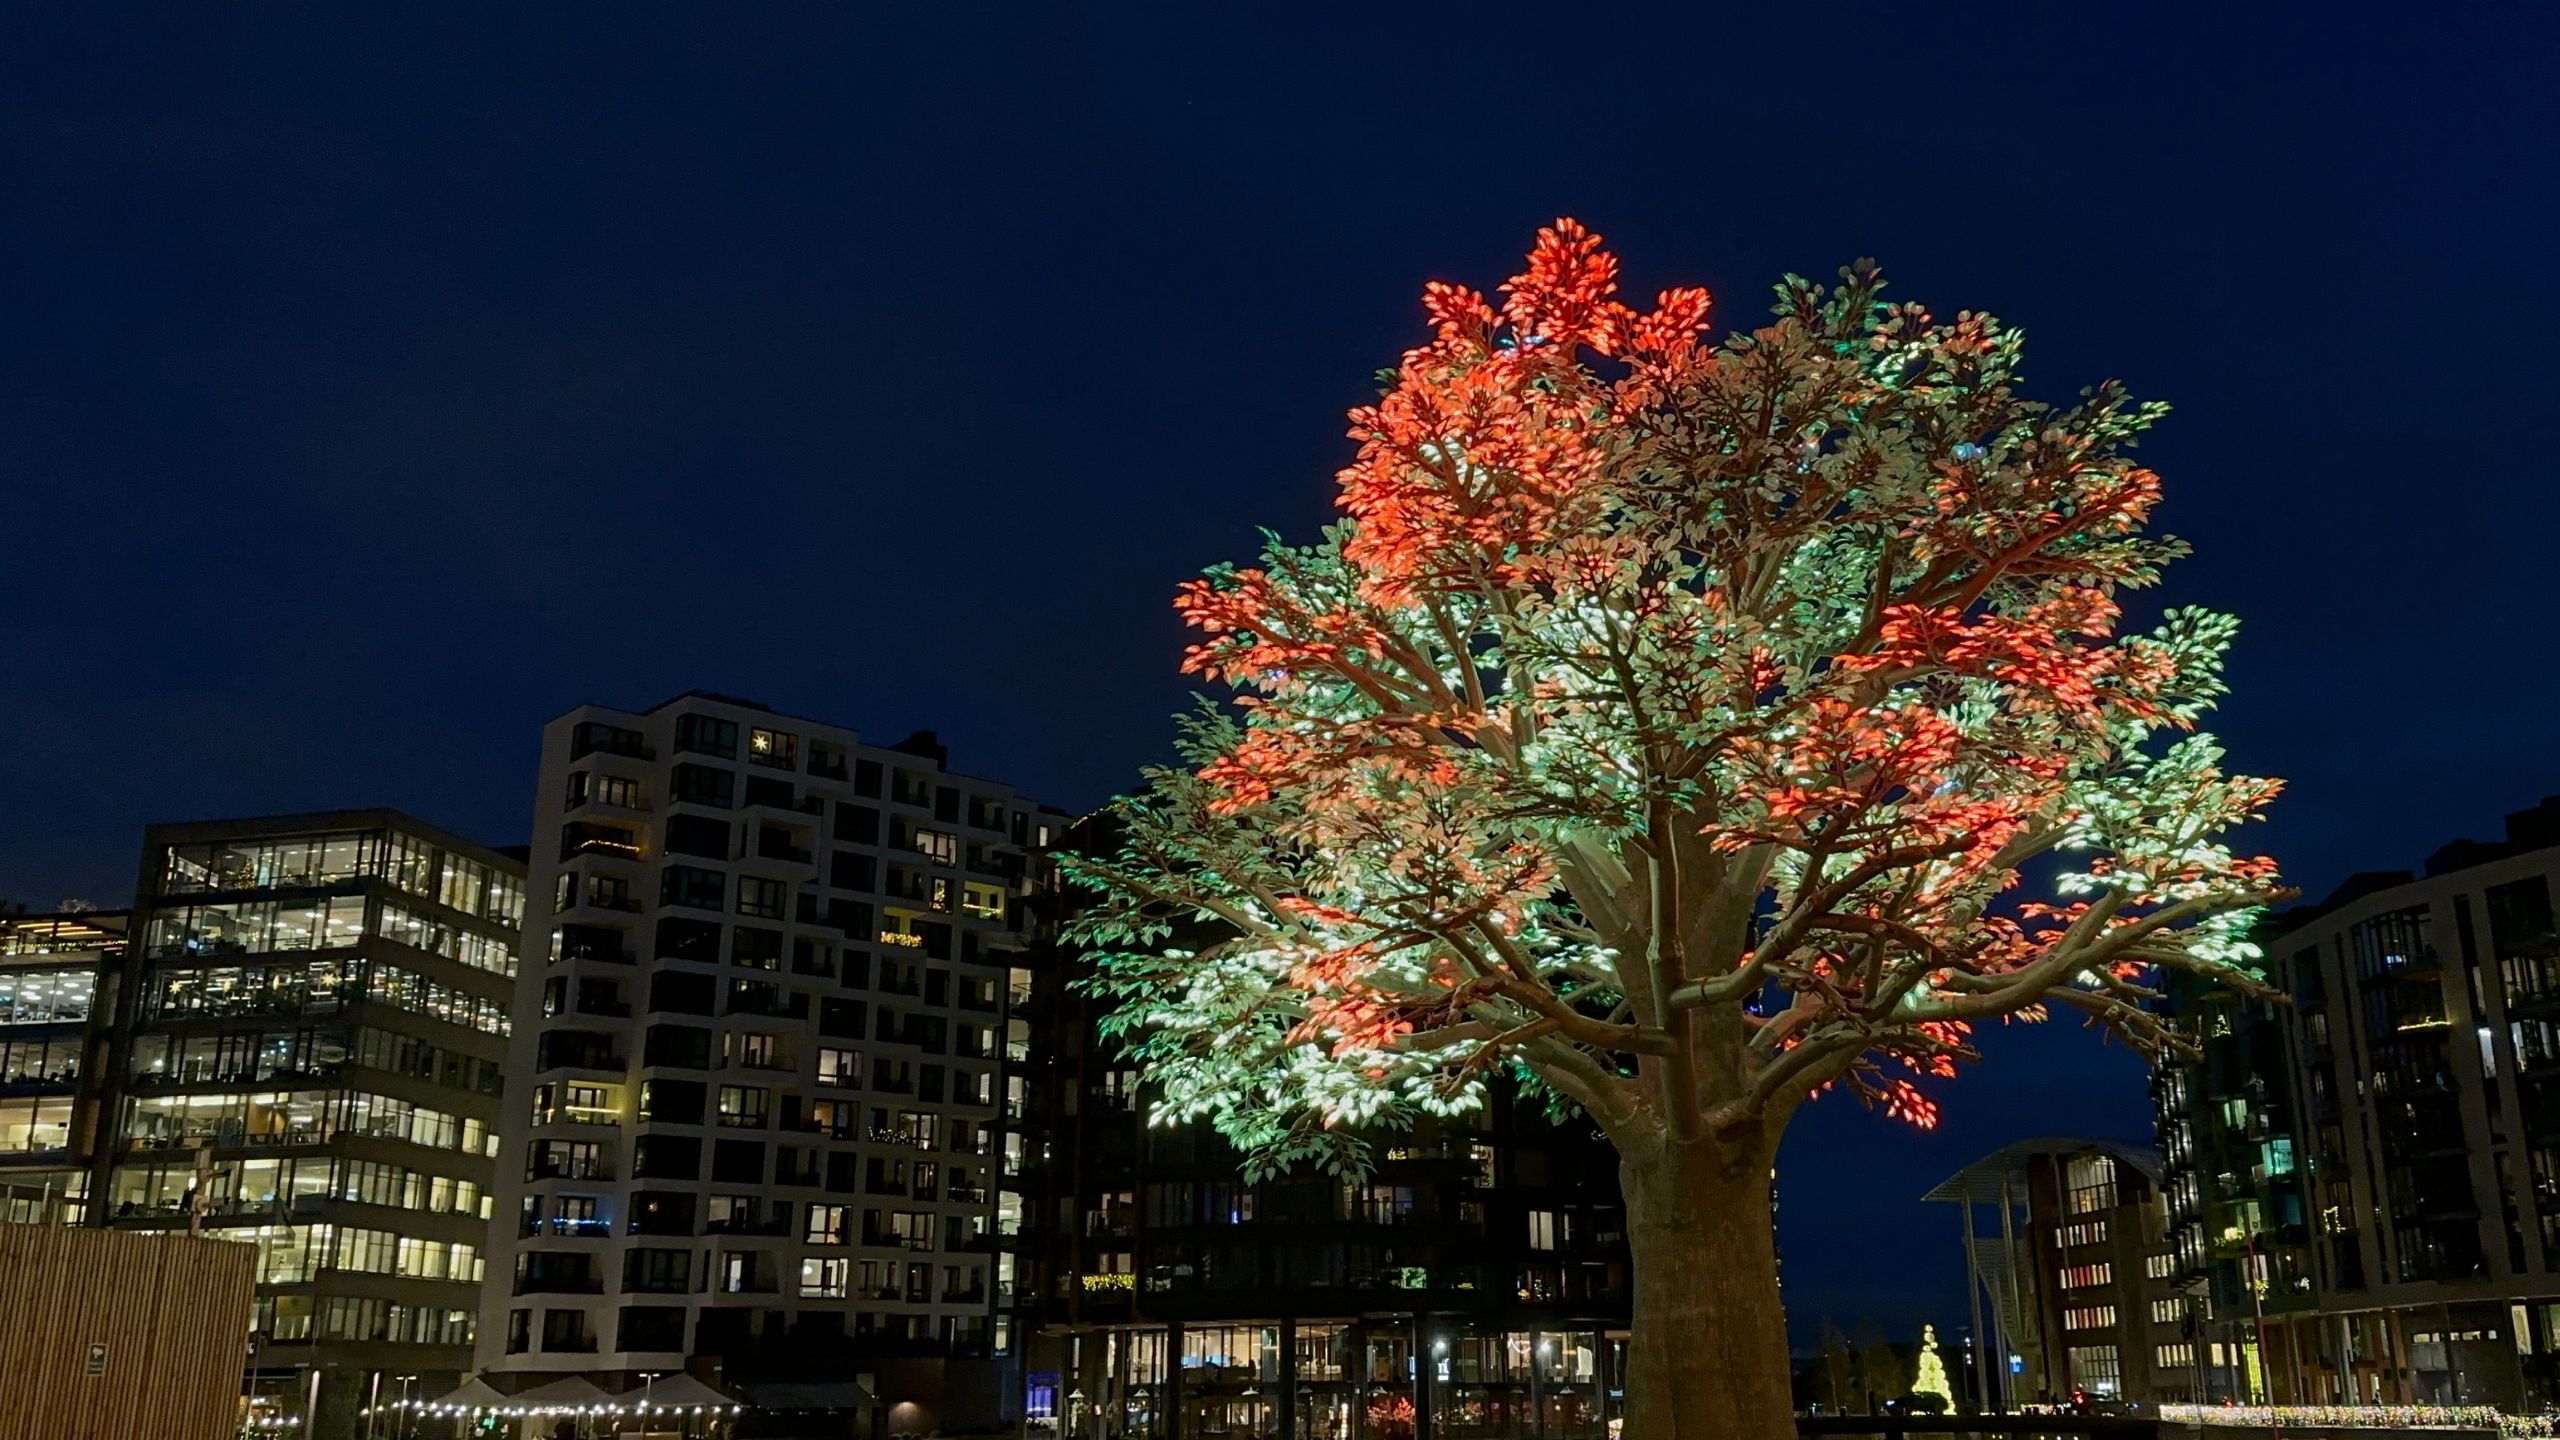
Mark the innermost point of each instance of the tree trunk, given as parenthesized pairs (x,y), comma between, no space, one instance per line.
(1708,1355)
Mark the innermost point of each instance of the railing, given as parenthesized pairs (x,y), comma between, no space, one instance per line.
(745,1227)
(559,1285)
(2061,1427)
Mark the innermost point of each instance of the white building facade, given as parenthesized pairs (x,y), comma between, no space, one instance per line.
(755,1122)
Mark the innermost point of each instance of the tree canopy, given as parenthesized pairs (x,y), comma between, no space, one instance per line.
(1672,723)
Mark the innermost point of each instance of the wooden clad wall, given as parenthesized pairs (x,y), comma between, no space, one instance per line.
(171,1312)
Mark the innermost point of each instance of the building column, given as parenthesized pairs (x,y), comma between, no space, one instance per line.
(1425,1363)
(1171,1410)
(1973,1298)
(1359,1376)
(2017,1302)
(1288,1379)
(1537,1385)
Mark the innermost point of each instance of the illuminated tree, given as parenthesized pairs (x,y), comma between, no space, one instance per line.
(1667,724)
(1931,1381)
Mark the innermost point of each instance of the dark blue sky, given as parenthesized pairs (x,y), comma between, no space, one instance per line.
(374,388)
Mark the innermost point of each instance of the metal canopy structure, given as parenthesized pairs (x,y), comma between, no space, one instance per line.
(1986,1179)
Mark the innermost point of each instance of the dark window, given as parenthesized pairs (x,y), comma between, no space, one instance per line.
(937,938)
(755,948)
(840,1019)
(853,917)
(707,735)
(843,1173)
(680,939)
(740,1161)
(580,1049)
(695,889)
(661,1212)
(698,835)
(857,824)
(587,942)
(684,992)
(762,790)
(592,736)
(566,1330)
(762,898)
(702,785)
(650,1271)
(866,778)
(684,1046)
(672,1102)
(667,1157)
(946,803)
(658,1328)
(848,871)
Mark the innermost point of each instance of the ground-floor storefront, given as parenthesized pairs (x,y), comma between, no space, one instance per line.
(2498,1352)
(1372,1377)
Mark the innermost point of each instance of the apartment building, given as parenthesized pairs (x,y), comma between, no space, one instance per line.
(2231,1177)
(757,1125)
(1474,1283)
(2393,1227)
(2068,1256)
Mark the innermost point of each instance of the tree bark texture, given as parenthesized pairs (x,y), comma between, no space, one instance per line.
(1707,1357)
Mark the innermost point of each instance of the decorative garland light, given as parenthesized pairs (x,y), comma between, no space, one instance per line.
(2364,1417)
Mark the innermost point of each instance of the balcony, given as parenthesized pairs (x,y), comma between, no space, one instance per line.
(566,1229)
(559,1285)
(590,942)
(595,738)
(592,837)
(775,845)
(736,1226)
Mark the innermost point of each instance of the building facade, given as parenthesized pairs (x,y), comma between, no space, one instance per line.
(1472,1284)
(2398,1221)
(2070,1260)
(58,978)
(299,1047)
(758,1125)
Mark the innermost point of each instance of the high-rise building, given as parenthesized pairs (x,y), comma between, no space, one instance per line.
(756,1130)
(2069,1258)
(1474,1282)
(2231,1178)
(303,1053)
(2377,1188)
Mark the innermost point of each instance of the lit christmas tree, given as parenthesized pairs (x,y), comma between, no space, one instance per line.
(1932,1379)
(1667,726)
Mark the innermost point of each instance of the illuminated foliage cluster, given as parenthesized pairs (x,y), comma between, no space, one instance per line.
(1668,723)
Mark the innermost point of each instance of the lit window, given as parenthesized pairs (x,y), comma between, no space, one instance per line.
(825,1278)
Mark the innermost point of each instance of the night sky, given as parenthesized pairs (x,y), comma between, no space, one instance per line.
(374,389)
